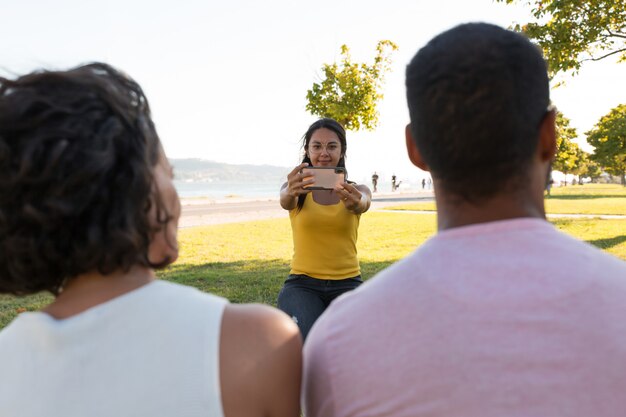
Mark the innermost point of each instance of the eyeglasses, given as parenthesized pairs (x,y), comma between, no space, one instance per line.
(318,147)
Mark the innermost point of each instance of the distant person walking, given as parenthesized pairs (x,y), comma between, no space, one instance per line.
(549,184)
(423,183)
(375,181)
(394,184)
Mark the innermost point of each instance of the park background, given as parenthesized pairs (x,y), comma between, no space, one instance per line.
(227,83)
(227,80)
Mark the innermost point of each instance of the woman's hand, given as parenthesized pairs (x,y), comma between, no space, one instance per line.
(294,187)
(355,198)
(296,181)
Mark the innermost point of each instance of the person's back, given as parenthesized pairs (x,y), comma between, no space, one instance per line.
(532,329)
(130,356)
(499,314)
(88,210)
(147,360)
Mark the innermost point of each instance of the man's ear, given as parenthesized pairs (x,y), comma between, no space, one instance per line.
(546,148)
(414,154)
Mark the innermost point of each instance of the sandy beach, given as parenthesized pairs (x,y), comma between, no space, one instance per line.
(203,211)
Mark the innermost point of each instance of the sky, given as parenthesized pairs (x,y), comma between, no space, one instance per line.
(227,80)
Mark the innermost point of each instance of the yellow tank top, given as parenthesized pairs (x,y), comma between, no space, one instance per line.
(324,240)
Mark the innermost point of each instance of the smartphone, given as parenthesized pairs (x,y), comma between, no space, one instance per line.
(326,178)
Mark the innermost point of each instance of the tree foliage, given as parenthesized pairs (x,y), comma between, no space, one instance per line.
(608,137)
(567,152)
(350,91)
(587,168)
(571,32)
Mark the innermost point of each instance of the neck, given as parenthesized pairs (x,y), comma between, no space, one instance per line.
(453,212)
(90,289)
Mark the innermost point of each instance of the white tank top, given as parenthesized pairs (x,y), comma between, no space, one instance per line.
(152,352)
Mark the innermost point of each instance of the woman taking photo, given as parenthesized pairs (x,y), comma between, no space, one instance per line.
(325,226)
(88,211)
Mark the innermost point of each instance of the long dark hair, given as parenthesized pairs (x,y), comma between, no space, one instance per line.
(325,123)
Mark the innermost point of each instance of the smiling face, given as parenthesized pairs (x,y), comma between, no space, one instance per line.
(324,148)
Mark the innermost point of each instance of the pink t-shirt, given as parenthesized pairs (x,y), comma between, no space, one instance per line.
(510,318)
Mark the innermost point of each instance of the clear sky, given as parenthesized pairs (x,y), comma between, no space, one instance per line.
(227,79)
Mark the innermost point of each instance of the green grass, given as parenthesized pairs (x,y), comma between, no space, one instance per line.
(576,199)
(11,306)
(588,199)
(247,262)
(590,190)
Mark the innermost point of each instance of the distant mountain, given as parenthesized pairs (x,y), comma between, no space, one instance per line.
(200,170)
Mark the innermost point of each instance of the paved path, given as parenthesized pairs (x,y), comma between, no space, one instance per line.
(199,212)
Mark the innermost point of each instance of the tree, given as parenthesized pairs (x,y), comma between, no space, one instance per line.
(590,169)
(349,92)
(571,32)
(608,137)
(567,152)
(585,167)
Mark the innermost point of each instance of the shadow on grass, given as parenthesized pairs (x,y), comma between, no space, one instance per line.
(608,243)
(251,281)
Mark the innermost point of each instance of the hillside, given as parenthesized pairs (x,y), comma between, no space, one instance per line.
(200,170)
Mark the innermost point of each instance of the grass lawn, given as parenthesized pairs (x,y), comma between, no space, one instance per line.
(576,199)
(247,262)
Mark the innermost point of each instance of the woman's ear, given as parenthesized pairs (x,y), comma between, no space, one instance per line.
(414,154)
(163,246)
(163,249)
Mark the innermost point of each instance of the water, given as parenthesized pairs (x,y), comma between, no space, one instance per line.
(264,190)
(224,190)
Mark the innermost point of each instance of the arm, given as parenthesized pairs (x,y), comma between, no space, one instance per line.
(293,188)
(356,197)
(287,201)
(260,362)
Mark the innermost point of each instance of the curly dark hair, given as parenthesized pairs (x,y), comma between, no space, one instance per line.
(77,152)
(477,95)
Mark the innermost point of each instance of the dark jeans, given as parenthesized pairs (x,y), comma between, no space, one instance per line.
(305,298)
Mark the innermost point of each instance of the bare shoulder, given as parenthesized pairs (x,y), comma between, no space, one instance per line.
(259,323)
(260,362)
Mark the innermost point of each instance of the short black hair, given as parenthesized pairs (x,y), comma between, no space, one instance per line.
(477,94)
(77,152)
